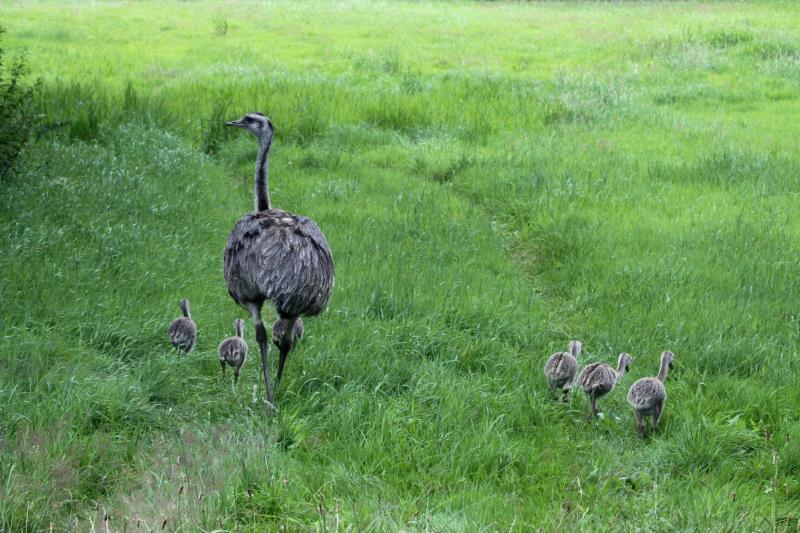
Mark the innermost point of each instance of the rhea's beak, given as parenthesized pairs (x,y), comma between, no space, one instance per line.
(236,123)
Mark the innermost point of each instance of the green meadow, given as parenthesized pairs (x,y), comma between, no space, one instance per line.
(494,179)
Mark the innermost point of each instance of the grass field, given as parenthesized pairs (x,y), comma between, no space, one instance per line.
(494,180)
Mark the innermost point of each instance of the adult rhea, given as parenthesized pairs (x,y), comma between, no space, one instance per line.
(277,256)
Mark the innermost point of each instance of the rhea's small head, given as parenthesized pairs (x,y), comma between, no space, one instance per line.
(625,361)
(669,357)
(575,348)
(256,123)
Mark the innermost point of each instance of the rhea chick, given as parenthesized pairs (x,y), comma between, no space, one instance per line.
(647,395)
(183,331)
(598,379)
(278,333)
(233,351)
(561,368)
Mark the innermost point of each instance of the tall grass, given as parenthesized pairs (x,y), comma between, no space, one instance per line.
(484,204)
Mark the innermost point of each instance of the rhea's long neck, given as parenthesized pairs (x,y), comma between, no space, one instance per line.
(662,372)
(262,175)
(239,329)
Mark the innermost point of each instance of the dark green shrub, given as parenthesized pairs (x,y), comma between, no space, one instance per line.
(16,110)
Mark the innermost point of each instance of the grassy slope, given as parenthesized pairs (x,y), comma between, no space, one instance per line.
(623,174)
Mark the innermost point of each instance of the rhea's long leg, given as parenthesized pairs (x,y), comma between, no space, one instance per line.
(263,344)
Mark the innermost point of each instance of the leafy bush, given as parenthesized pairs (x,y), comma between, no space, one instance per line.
(16,110)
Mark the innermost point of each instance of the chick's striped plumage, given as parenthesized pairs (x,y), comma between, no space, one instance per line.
(279,330)
(182,332)
(597,378)
(233,350)
(646,395)
(560,369)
